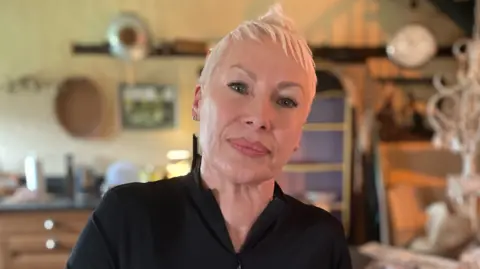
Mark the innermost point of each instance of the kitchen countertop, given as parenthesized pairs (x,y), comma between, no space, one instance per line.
(52,204)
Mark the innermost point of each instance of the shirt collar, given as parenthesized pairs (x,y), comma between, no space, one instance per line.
(206,204)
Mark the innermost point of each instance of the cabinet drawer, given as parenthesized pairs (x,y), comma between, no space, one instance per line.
(36,222)
(45,242)
(39,261)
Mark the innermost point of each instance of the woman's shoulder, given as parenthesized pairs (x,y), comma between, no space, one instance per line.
(138,197)
(314,217)
(146,189)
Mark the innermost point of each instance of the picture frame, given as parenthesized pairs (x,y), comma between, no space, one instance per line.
(148,106)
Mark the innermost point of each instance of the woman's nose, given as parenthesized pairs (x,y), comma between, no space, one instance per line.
(260,116)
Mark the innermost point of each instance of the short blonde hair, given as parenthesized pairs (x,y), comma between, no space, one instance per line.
(273,24)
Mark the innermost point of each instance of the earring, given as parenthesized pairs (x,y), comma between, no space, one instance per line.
(195,117)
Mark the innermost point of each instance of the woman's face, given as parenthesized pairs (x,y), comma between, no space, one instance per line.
(252,110)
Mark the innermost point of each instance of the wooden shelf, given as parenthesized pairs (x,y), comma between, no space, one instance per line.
(340,126)
(313,167)
(360,54)
(413,146)
(407,81)
(343,168)
(334,54)
(160,51)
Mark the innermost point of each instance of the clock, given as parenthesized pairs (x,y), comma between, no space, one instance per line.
(412,46)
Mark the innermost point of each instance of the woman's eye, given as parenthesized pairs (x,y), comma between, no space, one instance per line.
(238,87)
(287,102)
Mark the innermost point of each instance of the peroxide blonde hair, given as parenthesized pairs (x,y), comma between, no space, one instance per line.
(273,24)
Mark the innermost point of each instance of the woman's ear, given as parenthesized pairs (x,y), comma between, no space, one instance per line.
(298,144)
(196,103)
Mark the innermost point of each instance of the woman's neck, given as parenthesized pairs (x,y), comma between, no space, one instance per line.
(241,204)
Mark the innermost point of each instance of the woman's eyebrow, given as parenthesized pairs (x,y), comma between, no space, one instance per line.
(249,73)
(281,85)
(288,84)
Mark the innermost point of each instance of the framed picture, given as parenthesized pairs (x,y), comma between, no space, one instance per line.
(148,106)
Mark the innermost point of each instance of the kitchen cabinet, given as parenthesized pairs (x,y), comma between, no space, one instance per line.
(39,238)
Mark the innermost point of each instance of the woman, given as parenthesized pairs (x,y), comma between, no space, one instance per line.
(252,99)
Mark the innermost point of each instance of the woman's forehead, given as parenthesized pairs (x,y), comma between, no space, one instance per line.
(261,57)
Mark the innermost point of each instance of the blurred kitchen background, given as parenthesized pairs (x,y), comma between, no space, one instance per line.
(98,93)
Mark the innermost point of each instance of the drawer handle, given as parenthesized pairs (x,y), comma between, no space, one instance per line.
(50,244)
(49,224)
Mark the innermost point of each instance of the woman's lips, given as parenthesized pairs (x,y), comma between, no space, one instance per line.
(251,149)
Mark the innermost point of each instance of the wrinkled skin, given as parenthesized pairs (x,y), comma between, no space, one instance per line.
(260,94)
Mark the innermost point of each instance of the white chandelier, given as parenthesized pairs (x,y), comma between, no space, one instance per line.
(454,114)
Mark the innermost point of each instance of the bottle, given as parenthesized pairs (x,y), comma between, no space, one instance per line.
(34,178)
(69,177)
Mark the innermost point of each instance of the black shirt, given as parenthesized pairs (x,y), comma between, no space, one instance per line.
(177,224)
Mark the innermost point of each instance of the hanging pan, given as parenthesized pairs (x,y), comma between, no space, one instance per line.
(128,37)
